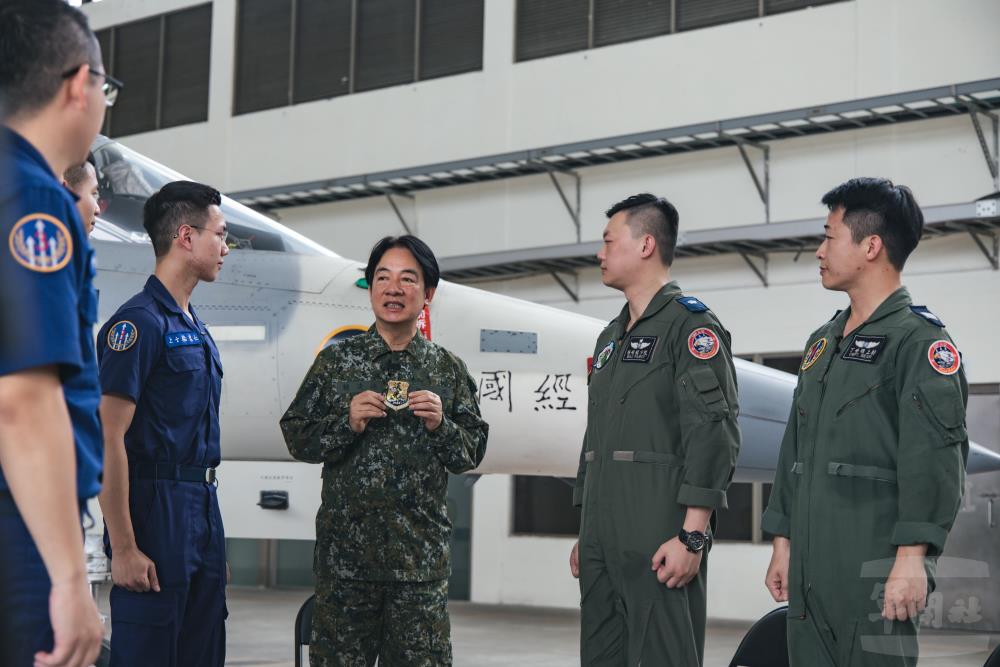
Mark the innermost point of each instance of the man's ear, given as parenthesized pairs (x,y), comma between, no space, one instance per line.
(873,247)
(429,295)
(648,246)
(76,88)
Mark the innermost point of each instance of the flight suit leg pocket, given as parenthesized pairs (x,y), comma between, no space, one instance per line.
(144,628)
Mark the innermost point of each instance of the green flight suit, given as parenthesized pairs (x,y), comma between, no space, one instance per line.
(661,436)
(873,458)
(382,556)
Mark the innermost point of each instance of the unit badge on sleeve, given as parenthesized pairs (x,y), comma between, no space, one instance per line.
(944,357)
(703,343)
(397,396)
(122,336)
(41,243)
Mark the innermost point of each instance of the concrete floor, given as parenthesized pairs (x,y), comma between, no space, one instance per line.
(261,620)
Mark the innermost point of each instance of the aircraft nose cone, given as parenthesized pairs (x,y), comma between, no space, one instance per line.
(982,459)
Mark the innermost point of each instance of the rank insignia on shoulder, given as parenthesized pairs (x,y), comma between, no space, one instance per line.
(397,395)
(39,242)
(605,356)
(927,315)
(181,338)
(813,354)
(703,343)
(864,349)
(944,357)
(692,303)
(122,336)
(639,349)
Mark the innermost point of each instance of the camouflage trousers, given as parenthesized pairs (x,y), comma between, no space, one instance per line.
(402,623)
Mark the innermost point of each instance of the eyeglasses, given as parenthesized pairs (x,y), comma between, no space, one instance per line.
(110,87)
(223,235)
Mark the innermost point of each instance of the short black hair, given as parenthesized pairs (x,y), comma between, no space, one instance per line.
(41,40)
(420,251)
(74,175)
(649,214)
(176,204)
(876,207)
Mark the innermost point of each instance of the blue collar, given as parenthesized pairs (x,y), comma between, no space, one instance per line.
(158,291)
(21,148)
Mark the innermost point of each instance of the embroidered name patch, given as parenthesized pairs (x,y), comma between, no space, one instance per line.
(813,354)
(181,339)
(944,357)
(41,243)
(122,336)
(605,356)
(639,349)
(864,349)
(703,343)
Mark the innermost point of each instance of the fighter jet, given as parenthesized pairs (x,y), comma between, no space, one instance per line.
(281,298)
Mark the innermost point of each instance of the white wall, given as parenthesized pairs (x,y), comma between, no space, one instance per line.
(828,54)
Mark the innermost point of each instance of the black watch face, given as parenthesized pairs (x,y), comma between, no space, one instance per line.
(695,541)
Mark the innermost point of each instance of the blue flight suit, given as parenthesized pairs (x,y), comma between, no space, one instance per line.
(49,311)
(168,364)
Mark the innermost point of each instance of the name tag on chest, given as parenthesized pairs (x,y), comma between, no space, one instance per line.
(639,349)
(182,339)
(864,349)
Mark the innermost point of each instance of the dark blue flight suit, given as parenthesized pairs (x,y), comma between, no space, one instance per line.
(50,307)
(168,364)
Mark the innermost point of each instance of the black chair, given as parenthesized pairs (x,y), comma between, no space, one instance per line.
(765,644)
(303,627)
(994,659)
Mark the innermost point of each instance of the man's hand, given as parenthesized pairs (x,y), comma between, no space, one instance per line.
(133,570)
(76,626)
(675,566)
(427,405)
(574,560)
(365,406)
(777,571)
(906,587)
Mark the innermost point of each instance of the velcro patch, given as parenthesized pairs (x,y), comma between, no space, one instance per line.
(122,336)
(605,356)
(927,315)
(692,303)
(181,338)
(703,343)
(639,349)
(944,357)
(813,354)
(41,243)
(864,349)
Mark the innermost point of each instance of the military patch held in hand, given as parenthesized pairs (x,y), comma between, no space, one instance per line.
(639,349)
(703,343)
(122,336)
(864,349)
(944,357)
(813,354)
(397,396)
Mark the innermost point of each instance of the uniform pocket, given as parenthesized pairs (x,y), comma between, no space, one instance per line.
(940,402)
(865,472)
(705,392)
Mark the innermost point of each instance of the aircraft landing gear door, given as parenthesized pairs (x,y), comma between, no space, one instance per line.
(967,598)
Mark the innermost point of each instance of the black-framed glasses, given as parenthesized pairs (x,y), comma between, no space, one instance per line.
(223,235)
(110,87)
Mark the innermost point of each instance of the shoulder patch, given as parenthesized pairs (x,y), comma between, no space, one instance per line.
(122,336)
(692,303)
(703,343)
(944,357)
(605,356)
(40,242)
(927,315)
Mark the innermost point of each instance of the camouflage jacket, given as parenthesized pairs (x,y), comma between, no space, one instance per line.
(384,515)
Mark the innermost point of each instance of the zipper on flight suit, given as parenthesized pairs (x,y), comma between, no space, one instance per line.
(854,401)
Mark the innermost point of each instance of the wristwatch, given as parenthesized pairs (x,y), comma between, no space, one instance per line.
(694,540)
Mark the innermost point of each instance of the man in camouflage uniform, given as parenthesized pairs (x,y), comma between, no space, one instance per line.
(872,465)
(388,414)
